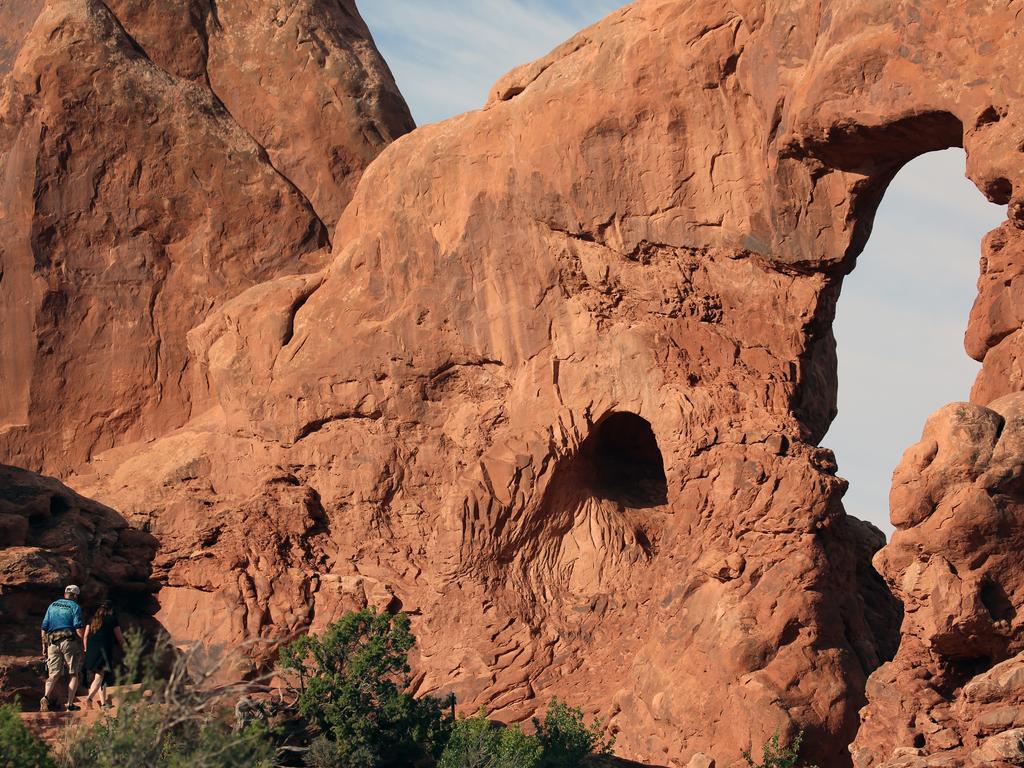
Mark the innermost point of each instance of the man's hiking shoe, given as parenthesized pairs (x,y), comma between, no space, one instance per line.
(44,704)
(73,708)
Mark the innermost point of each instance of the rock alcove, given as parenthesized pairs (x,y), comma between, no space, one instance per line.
(620,462)
(598,507)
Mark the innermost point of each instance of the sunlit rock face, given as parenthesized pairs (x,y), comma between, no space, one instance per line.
(557,391)
(156,159)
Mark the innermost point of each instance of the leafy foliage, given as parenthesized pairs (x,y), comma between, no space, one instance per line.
(775,755)
(136,737)
(476,742)
(567,741)
(562,740)
(168,721)
(352,709)
(18,747)
(354,682)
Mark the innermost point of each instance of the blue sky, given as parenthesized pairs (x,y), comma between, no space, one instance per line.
(903,312)
(901,320)
(446,54)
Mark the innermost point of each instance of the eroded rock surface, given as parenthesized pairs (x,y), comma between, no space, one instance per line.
(303,78)
(156,159)
(559,392)
(956,687)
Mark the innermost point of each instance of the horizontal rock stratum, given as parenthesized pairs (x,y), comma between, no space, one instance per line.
(558,387)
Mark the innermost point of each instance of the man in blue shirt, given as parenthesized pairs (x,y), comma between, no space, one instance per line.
(63,632)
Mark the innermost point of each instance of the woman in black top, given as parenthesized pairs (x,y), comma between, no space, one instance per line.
(101,634)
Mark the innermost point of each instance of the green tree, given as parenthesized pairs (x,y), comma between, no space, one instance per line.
(353,685)
(567,741)
(18,747)
(774,754)
(476,742)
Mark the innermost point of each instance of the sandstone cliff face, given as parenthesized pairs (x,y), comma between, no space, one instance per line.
(135,199)
(304,79)
(953,695)
(559,389)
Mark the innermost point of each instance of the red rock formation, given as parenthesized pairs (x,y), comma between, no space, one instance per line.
(954,693)
(134,201)
(304,80)
(560,389)
(562,407)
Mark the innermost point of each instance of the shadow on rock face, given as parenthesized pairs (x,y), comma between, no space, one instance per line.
(603,489)
(50,537)
(625,462)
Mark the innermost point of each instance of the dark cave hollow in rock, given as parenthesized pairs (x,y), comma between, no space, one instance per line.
(622,462)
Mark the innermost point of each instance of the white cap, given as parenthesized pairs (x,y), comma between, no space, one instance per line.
(72,589)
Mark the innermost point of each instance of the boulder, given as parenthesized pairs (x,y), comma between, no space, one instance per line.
(957,682)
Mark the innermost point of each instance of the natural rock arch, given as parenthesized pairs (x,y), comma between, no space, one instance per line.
(656,217)
(953,661)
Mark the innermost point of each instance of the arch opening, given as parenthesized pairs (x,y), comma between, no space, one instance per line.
(898,340)
(900,322)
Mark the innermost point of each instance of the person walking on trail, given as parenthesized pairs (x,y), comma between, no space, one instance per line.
(100,635)
(62,632)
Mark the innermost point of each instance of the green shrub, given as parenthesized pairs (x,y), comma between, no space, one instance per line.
(324,753)
(775,755)
(353,686)
(174,720)
(18,747)
(476,742)
(567,740)
(139,735)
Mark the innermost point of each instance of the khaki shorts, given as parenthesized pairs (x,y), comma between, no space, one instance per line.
(64,657)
